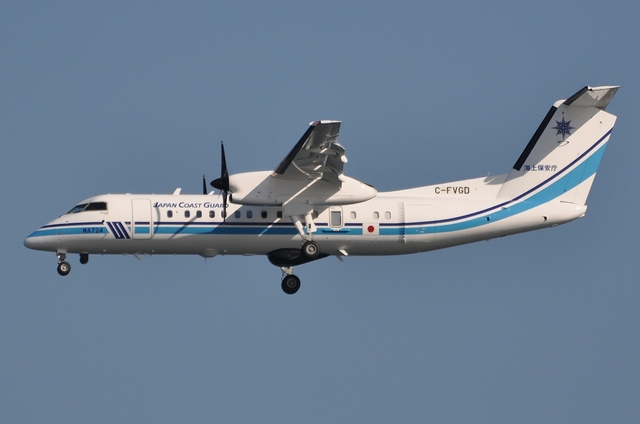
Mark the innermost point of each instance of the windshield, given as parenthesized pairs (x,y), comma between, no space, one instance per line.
(78,208)
(95,206)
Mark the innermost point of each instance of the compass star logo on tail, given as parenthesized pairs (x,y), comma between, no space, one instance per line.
(563,127)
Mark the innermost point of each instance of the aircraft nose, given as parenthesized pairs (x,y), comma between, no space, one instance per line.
(30,242)
(43,239)
(35,241)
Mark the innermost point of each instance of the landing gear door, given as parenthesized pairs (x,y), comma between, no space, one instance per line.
(141,221)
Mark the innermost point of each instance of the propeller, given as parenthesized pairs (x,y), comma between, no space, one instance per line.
(222,183)
(204,185)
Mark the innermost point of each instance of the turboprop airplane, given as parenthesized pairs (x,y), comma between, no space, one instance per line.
(307,209)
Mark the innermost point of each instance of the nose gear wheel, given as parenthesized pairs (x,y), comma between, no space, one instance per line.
(64,268)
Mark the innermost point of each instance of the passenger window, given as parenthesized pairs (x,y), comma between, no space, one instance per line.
(199,214)
(249,214)
(279,214)
(237,214)
(169,214)
(376,215)
(387,215)
(264,214)
(212,214)
(187,214)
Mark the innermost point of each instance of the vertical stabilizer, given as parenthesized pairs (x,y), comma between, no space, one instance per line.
(565,151)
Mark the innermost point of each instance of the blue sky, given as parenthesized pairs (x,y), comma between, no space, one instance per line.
(135,97)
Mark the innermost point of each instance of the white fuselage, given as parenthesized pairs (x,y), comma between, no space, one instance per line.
(398,222)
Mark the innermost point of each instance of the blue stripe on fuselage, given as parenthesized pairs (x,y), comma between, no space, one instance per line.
(558,188)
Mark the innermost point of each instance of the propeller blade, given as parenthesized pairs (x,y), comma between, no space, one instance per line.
(222,183)
(204,185)
(224,207)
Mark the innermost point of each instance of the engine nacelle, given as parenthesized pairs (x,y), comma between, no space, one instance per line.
(261,188)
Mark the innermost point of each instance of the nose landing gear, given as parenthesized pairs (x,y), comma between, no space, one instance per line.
(63,267)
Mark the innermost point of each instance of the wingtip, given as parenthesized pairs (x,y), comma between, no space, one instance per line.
(323,122)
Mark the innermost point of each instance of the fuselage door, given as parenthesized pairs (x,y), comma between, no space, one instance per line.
(335,217)
(141,221)
(418,222)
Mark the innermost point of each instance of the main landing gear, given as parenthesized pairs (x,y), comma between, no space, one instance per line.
(309,251)
(63,266)
(290,283)
(287,258)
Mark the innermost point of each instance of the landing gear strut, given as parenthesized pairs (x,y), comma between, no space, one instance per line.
(310,249)
(290,283)
(63,267)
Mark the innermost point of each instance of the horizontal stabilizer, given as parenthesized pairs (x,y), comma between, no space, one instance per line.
(598,97)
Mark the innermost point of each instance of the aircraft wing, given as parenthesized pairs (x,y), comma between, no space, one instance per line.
(317,155)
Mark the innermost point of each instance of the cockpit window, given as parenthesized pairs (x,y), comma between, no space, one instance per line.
(78,208)
(95,206)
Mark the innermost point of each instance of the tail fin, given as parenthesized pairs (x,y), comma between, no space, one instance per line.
(564,153)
